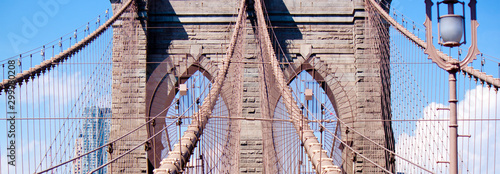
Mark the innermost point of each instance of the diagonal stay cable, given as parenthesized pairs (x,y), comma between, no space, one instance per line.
(135,147)
(110,142)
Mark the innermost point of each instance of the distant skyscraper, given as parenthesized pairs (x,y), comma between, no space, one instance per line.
(94,133)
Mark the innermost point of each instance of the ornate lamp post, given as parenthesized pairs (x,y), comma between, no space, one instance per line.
(451,29)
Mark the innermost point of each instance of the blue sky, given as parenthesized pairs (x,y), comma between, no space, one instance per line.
(50,23)
(487,16)
(47,20)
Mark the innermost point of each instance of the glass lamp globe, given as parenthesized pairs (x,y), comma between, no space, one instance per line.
(451,28)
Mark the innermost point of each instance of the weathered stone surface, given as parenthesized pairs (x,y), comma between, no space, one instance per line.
(129,92)
(329,36)
(251,131)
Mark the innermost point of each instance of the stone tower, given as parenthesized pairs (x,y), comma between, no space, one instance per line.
(161,43)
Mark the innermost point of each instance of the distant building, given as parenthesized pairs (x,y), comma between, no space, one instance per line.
(77,164)
(94,133)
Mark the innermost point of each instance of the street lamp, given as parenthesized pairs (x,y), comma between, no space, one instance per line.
(451,28)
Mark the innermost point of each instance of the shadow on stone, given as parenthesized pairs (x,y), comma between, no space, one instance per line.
(284,28)
(164,26)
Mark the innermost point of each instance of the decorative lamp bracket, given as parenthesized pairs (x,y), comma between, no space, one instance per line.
(445,62)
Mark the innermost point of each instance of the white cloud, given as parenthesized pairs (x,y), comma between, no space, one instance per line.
(25,158)
(429,143)
(53,84)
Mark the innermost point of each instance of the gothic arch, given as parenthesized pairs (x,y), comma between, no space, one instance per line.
(161,88)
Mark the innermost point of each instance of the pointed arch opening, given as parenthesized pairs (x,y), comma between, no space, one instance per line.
(319,109)
(173,112)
